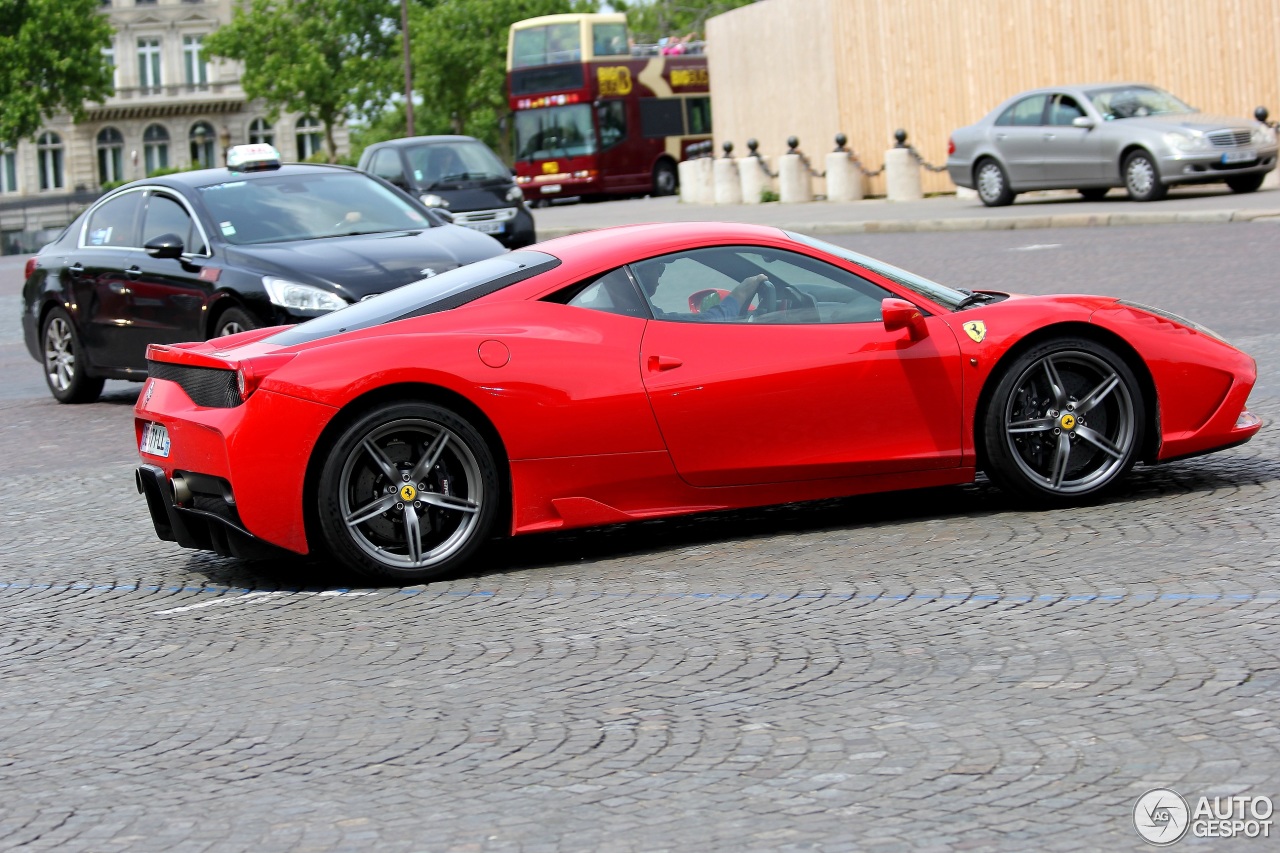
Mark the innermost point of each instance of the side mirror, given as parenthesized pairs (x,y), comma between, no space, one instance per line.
(445,217)
(165,246)
(901,314)
(1083,121)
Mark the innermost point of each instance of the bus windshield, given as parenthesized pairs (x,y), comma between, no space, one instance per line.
(547,45)
(555,132)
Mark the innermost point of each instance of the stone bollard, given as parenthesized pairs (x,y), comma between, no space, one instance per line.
(727,181)
(844,179)
(696,179)
(755,181)
(902,172)
(795,184)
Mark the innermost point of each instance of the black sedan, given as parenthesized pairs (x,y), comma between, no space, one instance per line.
(212,252)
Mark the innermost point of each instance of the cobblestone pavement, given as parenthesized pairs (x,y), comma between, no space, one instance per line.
(940,670)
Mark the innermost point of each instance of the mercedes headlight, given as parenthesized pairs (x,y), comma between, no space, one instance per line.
(1187,141)
(1263,135)
(301,297)
(515,194)
(433,200)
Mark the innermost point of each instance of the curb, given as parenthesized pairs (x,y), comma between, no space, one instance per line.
(996,223)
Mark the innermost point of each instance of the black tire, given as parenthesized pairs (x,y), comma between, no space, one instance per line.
(1059,447)
(233,321)
(1142,178)
(64,363)
(666,180)
(443,483)
(992,184)
(1245,183)
(1093,193)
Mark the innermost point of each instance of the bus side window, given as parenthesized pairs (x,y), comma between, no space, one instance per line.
(661,117)
(613,122)
(698,114)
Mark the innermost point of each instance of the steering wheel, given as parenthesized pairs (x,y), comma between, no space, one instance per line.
(766,300)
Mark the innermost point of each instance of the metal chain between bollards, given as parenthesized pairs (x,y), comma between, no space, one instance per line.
(841,142)
(793,147)
(752,145)
(901,136)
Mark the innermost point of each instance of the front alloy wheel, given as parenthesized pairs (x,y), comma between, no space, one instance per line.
(410,491)
(1065,422)
(1142,179)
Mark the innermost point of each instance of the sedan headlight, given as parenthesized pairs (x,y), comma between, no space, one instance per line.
(515,194)
(433,200)
(1263,135)
(1187,141)
(301,297)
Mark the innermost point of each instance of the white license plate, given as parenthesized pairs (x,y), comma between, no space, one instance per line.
(484,227)
(1239,156)
(155,439)
(551,188)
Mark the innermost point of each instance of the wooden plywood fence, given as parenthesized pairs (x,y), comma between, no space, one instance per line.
(813,68)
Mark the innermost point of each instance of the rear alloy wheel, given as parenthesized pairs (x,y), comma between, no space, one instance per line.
(1142,179)
(1065,422)
(665,179)
(64,367)
(233,321)
(993,184)
(1245,183)
(409,491)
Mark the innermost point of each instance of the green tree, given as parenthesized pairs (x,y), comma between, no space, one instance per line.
(50,60)
(459,52)
(325,58)
(651,20)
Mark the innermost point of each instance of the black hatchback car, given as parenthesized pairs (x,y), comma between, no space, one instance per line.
(212,252)
(459,174)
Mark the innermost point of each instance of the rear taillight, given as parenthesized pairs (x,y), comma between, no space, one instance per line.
(250,373)
(951,147)
(30,268)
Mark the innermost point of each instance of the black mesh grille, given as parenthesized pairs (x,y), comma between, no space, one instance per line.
(206,386)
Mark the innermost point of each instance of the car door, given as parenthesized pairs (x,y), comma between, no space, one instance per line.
(170,298)
(815,388)
(1018,134)
(1071,156)
(99,276)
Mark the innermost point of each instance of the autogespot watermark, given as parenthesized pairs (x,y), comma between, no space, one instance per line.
(1162,817)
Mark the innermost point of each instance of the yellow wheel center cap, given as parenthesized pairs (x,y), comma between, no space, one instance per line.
(408,492)
(1068,422)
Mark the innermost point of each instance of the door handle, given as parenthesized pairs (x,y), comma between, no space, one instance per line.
(1002,135)
(1049,135)
(76,269)
(133,271)
(659,363)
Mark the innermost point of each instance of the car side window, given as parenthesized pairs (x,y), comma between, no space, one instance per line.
(114,223)
(700,285)
(166,215)
(386,165)
(1027,112)
(612,293)
(1064,110)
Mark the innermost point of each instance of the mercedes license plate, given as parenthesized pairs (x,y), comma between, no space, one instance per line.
(484,227)
(1247,156)
(155,439)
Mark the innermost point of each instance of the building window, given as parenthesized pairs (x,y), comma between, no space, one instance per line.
(260,131)
(193,60)
(202,139)
(309,138)
(109,54)
(8,170)
(110,156)
(149,63)
(155,148)
(49,153)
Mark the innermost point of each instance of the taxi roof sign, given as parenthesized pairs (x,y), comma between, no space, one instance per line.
(255,157)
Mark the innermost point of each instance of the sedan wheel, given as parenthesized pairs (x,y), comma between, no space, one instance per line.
(1064,422)
(993,184)
(1141,178)
(409,491)
(63,366)
(233,321)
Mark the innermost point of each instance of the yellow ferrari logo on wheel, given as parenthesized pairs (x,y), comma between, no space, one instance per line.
(976,329)
(408,492)
(1068,422)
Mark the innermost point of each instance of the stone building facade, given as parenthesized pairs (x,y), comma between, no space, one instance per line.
(173,108)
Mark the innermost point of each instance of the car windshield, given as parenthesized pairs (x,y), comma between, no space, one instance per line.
(1116,102)
(425,296)
(555,132)
(939,293)
(455,162)
(274,208)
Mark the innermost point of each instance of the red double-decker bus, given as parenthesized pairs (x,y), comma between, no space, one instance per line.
(596,115)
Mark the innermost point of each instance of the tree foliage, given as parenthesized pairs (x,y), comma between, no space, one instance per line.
(459,50)
(325,58)
(651,20)
(50,60)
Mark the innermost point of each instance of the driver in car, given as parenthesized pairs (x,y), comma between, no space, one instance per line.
(731,307)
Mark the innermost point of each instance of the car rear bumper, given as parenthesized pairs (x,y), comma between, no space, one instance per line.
(209,523)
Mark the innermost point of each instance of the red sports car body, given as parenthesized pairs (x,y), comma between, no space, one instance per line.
(657,370)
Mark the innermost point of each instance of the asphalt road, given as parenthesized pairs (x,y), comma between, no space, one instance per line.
(935,670)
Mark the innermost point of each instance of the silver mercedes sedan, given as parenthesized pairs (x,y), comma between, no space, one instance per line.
(1092,138)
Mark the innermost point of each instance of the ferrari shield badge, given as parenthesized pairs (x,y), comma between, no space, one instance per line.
(976,329)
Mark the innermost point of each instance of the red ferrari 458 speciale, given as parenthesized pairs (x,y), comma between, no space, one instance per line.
(655,370)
